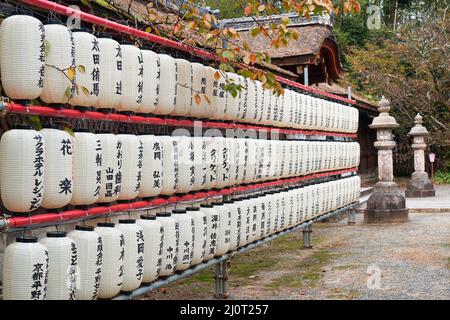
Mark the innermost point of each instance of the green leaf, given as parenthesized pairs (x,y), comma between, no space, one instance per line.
(47,47)
(35,122)
(228,54)
(254,32)
(67,92)
(86,3)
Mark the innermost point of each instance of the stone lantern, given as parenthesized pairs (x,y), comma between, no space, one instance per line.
(419,185)
(386,204)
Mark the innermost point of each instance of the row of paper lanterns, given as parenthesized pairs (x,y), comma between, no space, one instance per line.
(50,168)
(100,262)
(60,66)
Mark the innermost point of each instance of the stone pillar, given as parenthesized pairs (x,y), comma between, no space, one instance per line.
(419,185)
(386,204)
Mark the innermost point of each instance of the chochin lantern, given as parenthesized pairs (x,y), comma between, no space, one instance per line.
(22,169)
(89,259)
(87,168)
(167,85)
(22,56)
(170,243)
(186,167)
(111,71)
(171,175)
(25,270)
(62,255)
(113,259)
(132,163)
(183,92)
(154,236)
(199,87)
(112,160)
(152,166)
(223,234)
(58,168)
(133,264)
(88,73)
(200,165)
(132,78)
(152,71)
(186,240)
(200,233)
(58,86)
(213,222)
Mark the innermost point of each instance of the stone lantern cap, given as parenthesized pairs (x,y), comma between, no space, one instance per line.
(384,120)
(418,129)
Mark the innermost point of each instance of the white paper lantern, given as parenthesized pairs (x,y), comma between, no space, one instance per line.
(231,144)
(88,73)
(58,168)
(22,169)
(186,239)
(133,262)
(233,102)
(152,166)
(170,243)
(213,221)
(219,98)
(87,168)
(150,94)
(183,90)
(200,163)
(111,71)
(223,234)
(254,214)
(242,111)
(62,267)
(167,87)
(223,169)
(22,56)
(111,175)
(251,171)
(154,236)
(186,167)
(212,160)
(170,174)
(201,86)
(113,259)
(132,79)
(132,163)
(252,101)
(240,160)
(25,270)
(89,260)
(234,222)
(266,113)
(245,217)
(58,88)
(200,222)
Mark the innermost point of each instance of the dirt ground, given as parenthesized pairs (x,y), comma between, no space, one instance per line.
(403,261)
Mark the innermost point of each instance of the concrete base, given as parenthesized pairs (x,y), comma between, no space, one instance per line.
(386,205)
(419,186)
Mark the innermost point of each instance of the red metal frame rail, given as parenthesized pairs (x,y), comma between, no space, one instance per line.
(17,222)
(99,116)
(66,11)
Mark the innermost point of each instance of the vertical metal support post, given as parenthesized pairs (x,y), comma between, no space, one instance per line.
(306,76)
(351,216)
(221,280)
(307,237)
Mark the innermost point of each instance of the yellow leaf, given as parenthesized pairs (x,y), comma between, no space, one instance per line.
(207,99)
(261,8)
(217,75)
(148,29)
(85,91)
(81,68)
(71,73)
(69,131)
(198,99)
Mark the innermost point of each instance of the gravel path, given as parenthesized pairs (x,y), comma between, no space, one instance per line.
(412,259)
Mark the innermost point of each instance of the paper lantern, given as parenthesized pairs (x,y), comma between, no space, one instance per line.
(171,175)
(231,144)
(89,246)
(186,239)
(213,222)
(185,156)
(223,165)
(113,242)
(111,71)
(58,168)
(153,235)
(224,230)
(251,168)
(22,56)
(240,160)
(170,243)
(25,270)
(150,94)
(200,164)
(62,267)
(133,262)
(88,73)
(233,102)
(234,223)
(254,213)
(245,216)
(22,169)
(183,89)
(167,86)
(219,100)
(199,220)
(87,168)
(132,79)
(111,176)
(132,163)
(152,166)
(252,101)
(242,111)
(60,57)
(212,161)
(201,86)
